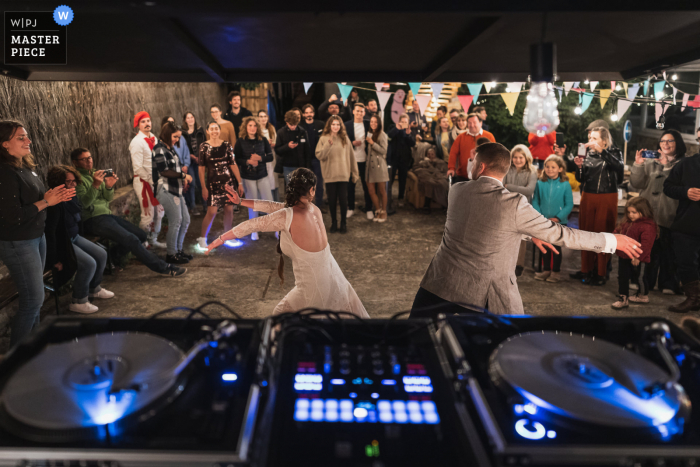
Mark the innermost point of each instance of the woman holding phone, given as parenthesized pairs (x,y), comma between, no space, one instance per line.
(600,172)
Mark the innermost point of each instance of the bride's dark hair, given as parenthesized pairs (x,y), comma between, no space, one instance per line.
(301,181)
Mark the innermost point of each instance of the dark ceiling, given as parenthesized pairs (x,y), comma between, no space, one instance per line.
(314,41)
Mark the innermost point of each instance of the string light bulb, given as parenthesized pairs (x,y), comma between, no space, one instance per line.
(586,82)
(541,115)
(618,87)
(674,77)
(578,110)
(493,84)
(614,117)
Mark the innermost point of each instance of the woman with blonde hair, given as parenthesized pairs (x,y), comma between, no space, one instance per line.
(338,164)
(521,178)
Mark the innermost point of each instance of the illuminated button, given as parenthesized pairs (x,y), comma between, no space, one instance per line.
(428,406)
(337,381)
(302,404)
(530,408)
(518,409)
(551,434)
(353,395)
(308,378)
(317,415)
(317,404)
(416,380)
(331,404)
(384,406)
(372,416)
(359,412)
(386,417)
(346,416)
(399,406)
(413,406)
(375,395)
(346,405)
(331,416)
(522,428)
(415,417)
(431,418)
(228,377)
(301,415)
(389,382)
(400,417)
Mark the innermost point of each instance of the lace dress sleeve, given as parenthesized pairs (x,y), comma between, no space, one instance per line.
(270,223)
(266,206)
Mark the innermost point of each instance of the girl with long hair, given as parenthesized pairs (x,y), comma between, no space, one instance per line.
(377,173)
(194,137)
(269,132)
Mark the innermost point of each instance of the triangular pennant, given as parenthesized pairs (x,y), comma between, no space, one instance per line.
(674,94)
(415,87)
(612,85)
(474,90)
(423,102)
(567,86)
(576,84)
(383,98)
(624,85)
(685,101)
(344,91)
(587,98)
(660,110)
(487,86)
(510,98)
(560,92)
(622,107)
(659,89)
(695,103)
(632,91)
(437,89)
(646,87)
(466,102)
(604,95)
(379,86)
(515,87)
(664,73)
(593,85)
(307,86)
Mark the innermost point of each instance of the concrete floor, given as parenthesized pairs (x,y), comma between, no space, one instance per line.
(383,262)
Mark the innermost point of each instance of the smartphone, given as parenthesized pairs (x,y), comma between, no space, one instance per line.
(109,173)
(560,140)
(581,150)
(650,154)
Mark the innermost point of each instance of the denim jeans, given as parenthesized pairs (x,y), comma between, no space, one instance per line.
(127,236)
(178,219)
(257,189)
(316,166)
(91,265)
(25,259)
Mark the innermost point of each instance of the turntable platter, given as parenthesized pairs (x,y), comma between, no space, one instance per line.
(67,385)
(587,379)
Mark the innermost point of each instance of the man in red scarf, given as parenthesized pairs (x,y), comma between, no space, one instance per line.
(140,148)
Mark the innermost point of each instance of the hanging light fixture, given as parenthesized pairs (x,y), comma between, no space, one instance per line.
(541,115)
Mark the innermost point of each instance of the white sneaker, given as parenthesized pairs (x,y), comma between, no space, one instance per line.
(154,241)
(83,308)
(668,292)
(350,213)
(254,236)
(370,215)
(202,243)
(634,286)
(103,293)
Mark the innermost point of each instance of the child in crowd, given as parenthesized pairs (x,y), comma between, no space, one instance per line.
(554,200)
(638,224)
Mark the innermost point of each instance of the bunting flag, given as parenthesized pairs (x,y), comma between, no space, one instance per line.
(664,73)
(695,103)
(593,85)
(604,95)
(587,99)
(383,98)
(632,91)
(622,107)
(560,92)
(307,86)
(674,94)
(466,102)
(624,85)
(379,86)
(474,90)
(515,87)
(423,102)
(510,98)
(685,101)
(415,87)
(487,86)
(659,89)
(646,87)
(576,84)
(344,91)
(612,85)
(437,89)
(567,86)
(660,110)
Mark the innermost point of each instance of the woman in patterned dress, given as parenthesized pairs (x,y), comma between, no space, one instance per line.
(217,169)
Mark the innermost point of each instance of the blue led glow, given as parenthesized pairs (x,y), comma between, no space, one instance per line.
(397,369)
(302,404)
(518,409)
(264,384)
(233,243)
(331,416)
(308,378)
(213,344)
(375,395)
(308,386)
(301,415)
(412,388)
(521,427)
(368,381)
(416,380)
(337,381)
(353,395)
(360,412)
(332,410)
(551,434)
(357,381)
(229,377)
(326,367)
(530,408)
(317,415)
(388,382)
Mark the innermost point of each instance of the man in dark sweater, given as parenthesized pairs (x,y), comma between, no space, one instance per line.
(683,184)
(357,130)
(292,145)
(314,128)
(236,113)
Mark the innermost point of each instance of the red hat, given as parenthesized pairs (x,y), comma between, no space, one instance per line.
(139,116)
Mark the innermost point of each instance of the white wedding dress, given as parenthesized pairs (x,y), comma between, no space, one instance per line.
(319,282)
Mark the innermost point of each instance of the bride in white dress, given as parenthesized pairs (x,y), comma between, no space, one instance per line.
(319,282)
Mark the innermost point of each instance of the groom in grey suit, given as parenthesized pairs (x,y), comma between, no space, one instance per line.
(475,262)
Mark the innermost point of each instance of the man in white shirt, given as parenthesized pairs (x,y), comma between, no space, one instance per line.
(357,130)
(141,148)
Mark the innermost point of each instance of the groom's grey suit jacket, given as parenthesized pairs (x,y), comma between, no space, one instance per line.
(476,260)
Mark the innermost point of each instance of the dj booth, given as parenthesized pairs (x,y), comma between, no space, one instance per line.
(315,389)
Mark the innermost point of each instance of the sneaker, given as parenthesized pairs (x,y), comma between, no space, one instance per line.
(633,286)
(155,243)
(370,215)
(350,213)
(202,243)
(176,259)
(620,303)
(174,271)
(554,277)
(642,299)
(83,308)
(668,292)
(382,216)
(103,293)
(185,255)
(254,236)
(542,276)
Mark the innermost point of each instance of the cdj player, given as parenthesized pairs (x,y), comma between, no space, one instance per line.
(364,393)
(131,392)
(579,391)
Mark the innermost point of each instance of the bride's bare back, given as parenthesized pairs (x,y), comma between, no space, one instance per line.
(307,229)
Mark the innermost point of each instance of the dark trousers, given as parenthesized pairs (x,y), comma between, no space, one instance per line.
(428,305)
(597,213)
(403,175)
(687,249)
(194,194)
(548,264)
(129,237)
(362,167)
(316,167)
(626,272)
(337,191)
(663,262)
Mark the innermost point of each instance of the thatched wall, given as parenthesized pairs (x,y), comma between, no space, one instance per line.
(62,115)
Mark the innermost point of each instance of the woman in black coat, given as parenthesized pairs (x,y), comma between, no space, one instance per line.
(194,136)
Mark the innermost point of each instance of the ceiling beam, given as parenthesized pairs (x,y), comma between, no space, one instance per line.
(210,63)
(662,64)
